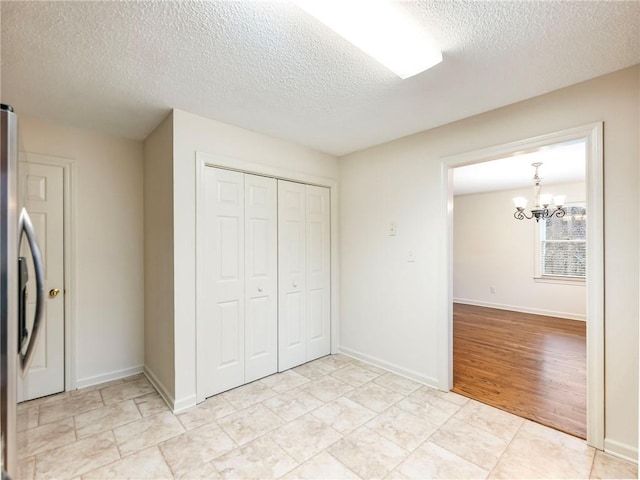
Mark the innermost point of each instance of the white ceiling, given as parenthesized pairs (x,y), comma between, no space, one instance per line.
(561,163)
(119,67)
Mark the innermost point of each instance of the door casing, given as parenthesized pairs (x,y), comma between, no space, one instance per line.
(593,134)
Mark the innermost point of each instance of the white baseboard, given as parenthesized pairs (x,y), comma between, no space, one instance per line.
(107,377)
(176,406)
(622,450)
(391,367)
(184,403)
(159,386)
(514,308)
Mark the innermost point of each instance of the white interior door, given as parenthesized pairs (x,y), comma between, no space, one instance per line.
(261,276)
(41,190)
(220,323)
(292,331)
(318,272)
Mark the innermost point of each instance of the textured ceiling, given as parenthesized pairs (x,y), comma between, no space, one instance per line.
(119,67)
(561,163)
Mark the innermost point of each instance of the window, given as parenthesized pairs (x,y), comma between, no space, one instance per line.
(562,245)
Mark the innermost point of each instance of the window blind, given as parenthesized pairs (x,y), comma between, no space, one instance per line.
(563,244)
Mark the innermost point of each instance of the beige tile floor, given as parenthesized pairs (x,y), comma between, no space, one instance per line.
(332,418)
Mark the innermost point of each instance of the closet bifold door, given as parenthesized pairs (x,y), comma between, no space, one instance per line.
(261,276)
(304,269)
(318,271)
(221,289)
(292,331)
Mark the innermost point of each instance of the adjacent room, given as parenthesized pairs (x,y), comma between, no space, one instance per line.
(519,285)
(313,239)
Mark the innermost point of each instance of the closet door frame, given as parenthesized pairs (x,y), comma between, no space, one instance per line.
(204,160)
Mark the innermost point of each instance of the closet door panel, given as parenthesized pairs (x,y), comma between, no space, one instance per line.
(318,271)
(220,324)
(292,331)
(261,274)
(227,344)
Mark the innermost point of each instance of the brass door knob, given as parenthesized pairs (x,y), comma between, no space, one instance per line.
(54,292)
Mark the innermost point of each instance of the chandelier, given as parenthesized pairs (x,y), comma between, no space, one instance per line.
(542,201)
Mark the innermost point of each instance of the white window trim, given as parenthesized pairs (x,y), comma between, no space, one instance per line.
(538,277)
(558,280)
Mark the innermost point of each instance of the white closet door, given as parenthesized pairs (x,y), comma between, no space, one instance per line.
(221,332)
(42,188)
(261,276)
(318,271)
(292,332)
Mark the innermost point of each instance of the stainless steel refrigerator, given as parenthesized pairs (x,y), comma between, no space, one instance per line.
(17,344)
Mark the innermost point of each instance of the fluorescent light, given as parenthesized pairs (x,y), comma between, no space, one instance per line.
(379,29)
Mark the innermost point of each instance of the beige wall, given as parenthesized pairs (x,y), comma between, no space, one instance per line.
(491,248)
(158,256)
(192,134)
(108,216)
(389,307)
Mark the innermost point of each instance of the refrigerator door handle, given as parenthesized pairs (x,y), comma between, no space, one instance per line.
(25,226)
(23,279)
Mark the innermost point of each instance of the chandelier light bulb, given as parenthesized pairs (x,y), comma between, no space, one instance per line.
(520,202)
(559,200)
(545,199)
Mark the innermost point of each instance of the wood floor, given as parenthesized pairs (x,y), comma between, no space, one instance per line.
(530,365)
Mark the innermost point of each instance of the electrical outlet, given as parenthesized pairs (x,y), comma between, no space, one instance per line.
(492,289)
(411,257)
(392,229)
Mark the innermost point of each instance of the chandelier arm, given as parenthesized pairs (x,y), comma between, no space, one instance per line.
(560,212)
(521,215)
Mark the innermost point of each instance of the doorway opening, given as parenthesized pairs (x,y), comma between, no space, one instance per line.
(590,137)
(519,329)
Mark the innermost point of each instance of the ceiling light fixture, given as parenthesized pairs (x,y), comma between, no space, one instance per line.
(379,29)
(541,208)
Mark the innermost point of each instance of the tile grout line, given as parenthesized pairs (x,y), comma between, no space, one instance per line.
(494,408)
(111,463)
(507,447)
(116,442)
(100,390)
(324,450)
(252,441)
(343,395)
(593,461)
(375,415)
(484,431)
(299,389)
(164,459)
(287,422)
